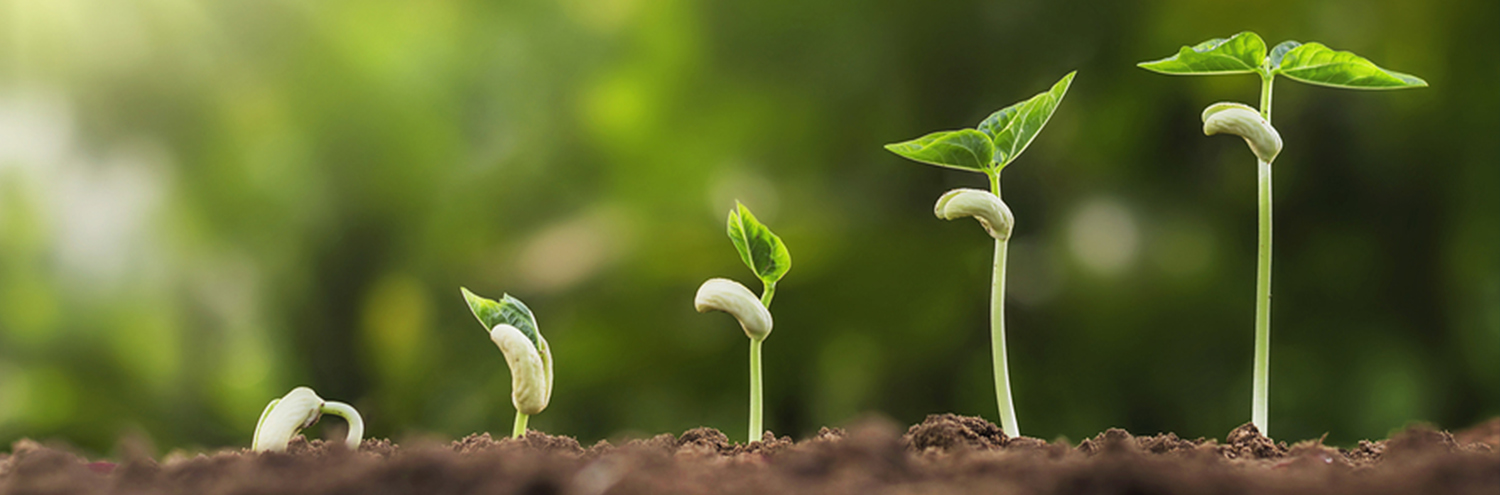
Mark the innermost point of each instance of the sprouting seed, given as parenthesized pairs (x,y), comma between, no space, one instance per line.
(297,410)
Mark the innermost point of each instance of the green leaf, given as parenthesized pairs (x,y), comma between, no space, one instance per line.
(761,250)
(1279,52)
(1013,127)
(508,310)
(1241,53)
(965,149)
(1314,63)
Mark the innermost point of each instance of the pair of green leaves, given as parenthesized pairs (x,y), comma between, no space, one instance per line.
(996,142)
(508,310)
(1310,63)
(761,250)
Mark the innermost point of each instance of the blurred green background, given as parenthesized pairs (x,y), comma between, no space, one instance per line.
(206,203)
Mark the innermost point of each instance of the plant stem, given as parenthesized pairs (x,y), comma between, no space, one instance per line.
(1261,383)
(757,400)
(997,330)
(755,392)
(1265,97)
(356,423)
(997,344)
(520,429)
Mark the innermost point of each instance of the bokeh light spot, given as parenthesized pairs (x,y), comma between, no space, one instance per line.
(1103,236)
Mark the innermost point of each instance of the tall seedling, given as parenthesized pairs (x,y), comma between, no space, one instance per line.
(997,142)
(1312,63)
(764,253)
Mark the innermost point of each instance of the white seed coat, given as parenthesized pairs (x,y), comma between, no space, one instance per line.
(984,206)
(299,409)
(530,370)
(1243,121)
(722,294)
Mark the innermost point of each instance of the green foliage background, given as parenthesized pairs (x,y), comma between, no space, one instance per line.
(204,204)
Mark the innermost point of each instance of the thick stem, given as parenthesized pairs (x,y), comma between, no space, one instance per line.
(756,397)
(755,392)
(356,423)
(1265,97)
(997,344)
(520,429)
(1261,387)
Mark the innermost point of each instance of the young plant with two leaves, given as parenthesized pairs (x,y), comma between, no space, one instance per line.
(1311,63)
(765,254)
(997,142)
(513,329)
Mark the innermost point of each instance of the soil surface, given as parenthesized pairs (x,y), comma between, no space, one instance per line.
(945,454)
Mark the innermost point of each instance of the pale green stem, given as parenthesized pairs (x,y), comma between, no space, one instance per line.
(755,392)
(520,429)
(757,399)
(997,344)
(356,424)
(1261,385)
(1265,97)
(997,332)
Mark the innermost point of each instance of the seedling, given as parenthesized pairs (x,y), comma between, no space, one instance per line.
(996,142)
(297,410)
(513,329)
(764,253)
(1312,63)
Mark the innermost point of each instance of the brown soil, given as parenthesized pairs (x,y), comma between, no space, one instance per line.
(945,454)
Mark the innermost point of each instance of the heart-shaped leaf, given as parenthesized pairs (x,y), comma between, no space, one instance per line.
(508,310)
(964,149)
(1240,53)
(761,250)
(1013,127)
(1314,63)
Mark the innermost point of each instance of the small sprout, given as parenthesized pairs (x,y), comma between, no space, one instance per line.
(1243,121)
(296,411)
(768,257)
(722,294)
(514,330)
(984,206)
(1311,63)
(989,148)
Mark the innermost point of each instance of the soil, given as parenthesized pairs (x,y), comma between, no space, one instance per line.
(944,454)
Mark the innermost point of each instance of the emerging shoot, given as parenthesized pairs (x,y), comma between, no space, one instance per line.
(297,410)
(1312,63)
(765,254)
(995,143)
(514,330)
